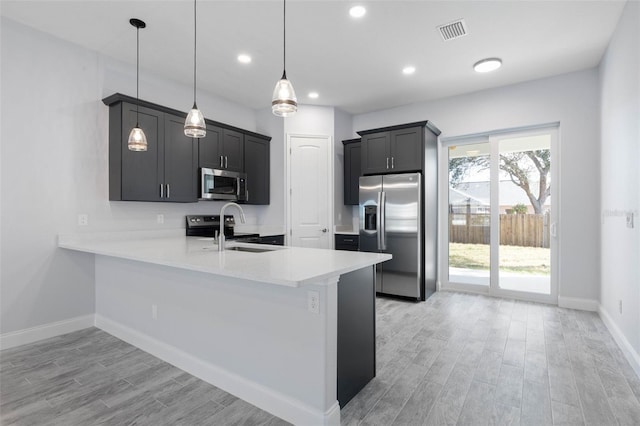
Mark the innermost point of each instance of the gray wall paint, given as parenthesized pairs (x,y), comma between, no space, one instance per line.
(620,179)
(56,168)
(570,99)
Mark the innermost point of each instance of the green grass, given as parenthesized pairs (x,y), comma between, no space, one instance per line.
(526,260)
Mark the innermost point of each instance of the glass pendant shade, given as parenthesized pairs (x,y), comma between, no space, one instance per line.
(194,125)
(284,101)
(137,140)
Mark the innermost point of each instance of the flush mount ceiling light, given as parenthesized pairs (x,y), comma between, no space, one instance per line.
(194,125)
(137,139)
(487,65)
(284,102)
(408,70)
(313,95)
(357,11)
(244,59)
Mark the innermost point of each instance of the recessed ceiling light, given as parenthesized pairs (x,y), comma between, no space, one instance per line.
(244,59)
(486,65)
(408,70)
(313,95)
(357,11)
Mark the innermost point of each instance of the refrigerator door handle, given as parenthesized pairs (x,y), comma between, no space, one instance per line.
(378,222)
(382,231)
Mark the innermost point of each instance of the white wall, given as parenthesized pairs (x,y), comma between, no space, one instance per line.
(56,166)
(343,131)
(570,99)
(620,181)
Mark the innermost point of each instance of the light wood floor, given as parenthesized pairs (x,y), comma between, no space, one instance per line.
(455,359)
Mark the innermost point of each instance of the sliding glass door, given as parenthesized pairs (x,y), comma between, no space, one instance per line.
(500,230)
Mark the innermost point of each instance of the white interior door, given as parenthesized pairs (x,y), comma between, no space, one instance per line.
(310,195)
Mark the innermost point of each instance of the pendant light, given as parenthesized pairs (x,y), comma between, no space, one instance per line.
(137,139)
(284,102)
(194,125)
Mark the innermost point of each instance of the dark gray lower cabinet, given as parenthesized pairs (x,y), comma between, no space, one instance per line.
(356,332)
(347,242)
(274,240)
(257,168)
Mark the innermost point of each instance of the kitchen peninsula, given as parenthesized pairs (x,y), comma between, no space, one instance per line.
(261,324)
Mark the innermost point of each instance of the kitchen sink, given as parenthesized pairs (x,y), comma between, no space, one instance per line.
(248,249)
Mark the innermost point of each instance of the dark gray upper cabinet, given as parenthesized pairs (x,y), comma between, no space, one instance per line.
(180,162)
(135,176)
(165,172)
(209,149)
(168,170)
(395,149)
(257,168)
(233,150)
(406,149)
(222,149)
(352,160)
(375,153)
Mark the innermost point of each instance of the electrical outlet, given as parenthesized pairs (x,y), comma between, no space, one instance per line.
(630,220)
(160,219)
(154,312)
(620,305)
(313,302)
(83,219)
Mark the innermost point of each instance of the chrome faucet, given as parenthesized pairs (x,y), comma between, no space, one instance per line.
(221,233)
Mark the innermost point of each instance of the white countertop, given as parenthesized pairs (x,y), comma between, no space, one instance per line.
(287,266)
(346,230)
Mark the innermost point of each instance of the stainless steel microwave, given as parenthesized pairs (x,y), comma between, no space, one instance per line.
(218,184)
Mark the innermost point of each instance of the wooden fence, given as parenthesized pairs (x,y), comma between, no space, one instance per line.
(526,230)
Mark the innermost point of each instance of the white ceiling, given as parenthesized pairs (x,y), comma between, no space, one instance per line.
(355,65)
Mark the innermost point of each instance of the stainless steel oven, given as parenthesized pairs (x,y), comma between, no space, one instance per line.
(218,184)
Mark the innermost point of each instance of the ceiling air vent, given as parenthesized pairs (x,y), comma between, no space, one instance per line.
(453,30)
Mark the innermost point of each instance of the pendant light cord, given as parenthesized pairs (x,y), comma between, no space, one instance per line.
(195,46)
(137,76)
(284,38)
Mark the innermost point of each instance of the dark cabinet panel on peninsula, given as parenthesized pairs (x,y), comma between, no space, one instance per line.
(165,172)
(257,168)
(352,160)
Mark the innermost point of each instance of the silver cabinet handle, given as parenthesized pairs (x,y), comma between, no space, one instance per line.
(168,191)
(221,164)
(161,191)
(392,162)
(226,162)
(387,162)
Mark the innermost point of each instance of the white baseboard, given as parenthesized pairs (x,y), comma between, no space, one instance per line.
(41,332)
(628,351)
(580,304)
(269,400)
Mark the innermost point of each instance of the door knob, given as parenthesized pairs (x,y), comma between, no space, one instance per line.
(325,230)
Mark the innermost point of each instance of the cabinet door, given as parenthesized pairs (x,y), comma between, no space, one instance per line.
(142,172)
(233,150)
(407,150)
(352,160)
(257,168)
(375,153)
(180,162)
(210,149)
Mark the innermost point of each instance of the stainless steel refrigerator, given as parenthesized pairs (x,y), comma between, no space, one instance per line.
(391,221)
